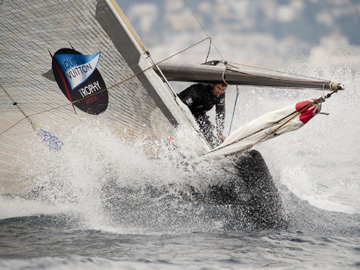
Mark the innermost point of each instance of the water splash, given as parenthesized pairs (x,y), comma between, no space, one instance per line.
(318,164)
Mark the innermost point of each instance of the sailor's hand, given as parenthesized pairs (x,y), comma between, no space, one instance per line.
(221,137)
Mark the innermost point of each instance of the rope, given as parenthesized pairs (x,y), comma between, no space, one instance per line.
(233,114)
(164,78)
(13,125)
(223,75)
(202,27)
(17,105)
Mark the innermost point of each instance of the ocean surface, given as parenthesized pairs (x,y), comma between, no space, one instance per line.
(55,242)
(73,222)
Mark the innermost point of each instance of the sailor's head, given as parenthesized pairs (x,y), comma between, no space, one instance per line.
(219,88)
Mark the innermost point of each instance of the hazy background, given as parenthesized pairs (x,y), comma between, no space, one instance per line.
(263,33)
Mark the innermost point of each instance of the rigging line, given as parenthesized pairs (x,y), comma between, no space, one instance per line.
(30,115)
(233,114)
(48,110)
(202,27)
(164,78)
(16,104)
(223,75)
(13,125)
(207,56)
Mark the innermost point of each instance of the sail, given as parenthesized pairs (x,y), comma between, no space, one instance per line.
(68,62)
(268,126)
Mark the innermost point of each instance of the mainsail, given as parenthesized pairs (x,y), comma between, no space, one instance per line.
(139,105)
(68,62)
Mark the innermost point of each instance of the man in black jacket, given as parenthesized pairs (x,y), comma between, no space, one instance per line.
(201,98)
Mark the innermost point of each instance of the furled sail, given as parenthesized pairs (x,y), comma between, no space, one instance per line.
(97,70)
(268,126)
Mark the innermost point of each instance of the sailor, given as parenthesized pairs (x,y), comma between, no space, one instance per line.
(201,98)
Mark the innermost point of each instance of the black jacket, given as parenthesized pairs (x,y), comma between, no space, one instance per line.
(200,99)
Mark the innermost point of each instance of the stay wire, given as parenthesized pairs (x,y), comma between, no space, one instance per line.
(17,105)
(230,64)
(233,114)
(203,28)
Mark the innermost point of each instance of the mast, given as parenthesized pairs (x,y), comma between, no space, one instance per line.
(210,73)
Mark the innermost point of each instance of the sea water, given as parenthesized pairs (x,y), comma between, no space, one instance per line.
(70,223)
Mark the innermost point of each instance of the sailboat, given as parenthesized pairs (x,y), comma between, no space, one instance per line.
(65,63)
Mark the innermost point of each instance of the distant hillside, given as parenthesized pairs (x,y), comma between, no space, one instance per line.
(306,20)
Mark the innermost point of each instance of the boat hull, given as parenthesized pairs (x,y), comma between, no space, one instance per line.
(245,198)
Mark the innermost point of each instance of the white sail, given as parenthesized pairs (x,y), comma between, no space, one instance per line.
(136,103)
(267,127)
